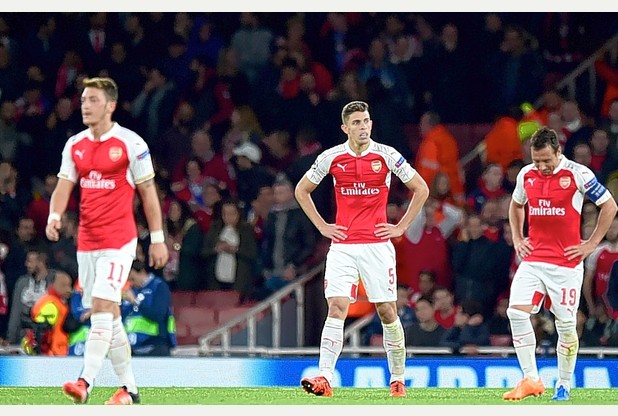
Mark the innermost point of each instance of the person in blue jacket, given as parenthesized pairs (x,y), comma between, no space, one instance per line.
(147,313)
(80,319)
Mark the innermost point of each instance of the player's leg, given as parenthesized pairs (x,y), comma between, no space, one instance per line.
(341,274)
(527,293)
(564,290)
(378,272)
(99,336)
(120,348)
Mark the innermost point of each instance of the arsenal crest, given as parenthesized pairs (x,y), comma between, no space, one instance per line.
(376,165)
(115,153)
(565,181)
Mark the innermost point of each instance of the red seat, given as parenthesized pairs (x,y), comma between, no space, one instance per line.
(183,298)
(227,314)
(217,298)
(193,322)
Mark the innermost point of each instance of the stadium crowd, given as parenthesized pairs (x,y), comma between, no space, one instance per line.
(235,107)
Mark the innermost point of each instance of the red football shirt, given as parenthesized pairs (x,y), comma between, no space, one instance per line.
(554,208)
(106,172)
(362,185)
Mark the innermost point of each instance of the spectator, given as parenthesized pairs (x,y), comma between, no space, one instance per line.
(12,200)
(230,252)
(174,145)
(308,147)
(469,330)
(250,175)
(474,266)
(501,144)
(426,286)
(499,325)
(426,332)
(15,144)
(489,186)
(514,72)
(28,289)
(64,252)
(444,306)
(48,316)
(4,296)
(425,245)
(153,108)
(252,41)
(245,128)
(184,241)
(406,314)
(38,209)
(439,151)
(77,323)
(599,151)
(23,241)
(597,270)
(213,165)
(289,238)
(577,128)
(147,313)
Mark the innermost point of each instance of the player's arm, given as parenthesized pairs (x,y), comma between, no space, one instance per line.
(158,254)
(517,217)
(607,213)
(302,192)
(420,192)
(57,206)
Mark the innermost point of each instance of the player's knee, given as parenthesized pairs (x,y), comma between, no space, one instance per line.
(515,314)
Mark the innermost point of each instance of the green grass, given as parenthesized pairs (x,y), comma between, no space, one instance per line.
(296,396)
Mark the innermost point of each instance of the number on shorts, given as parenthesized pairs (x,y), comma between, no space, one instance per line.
(568,296)
(111,277)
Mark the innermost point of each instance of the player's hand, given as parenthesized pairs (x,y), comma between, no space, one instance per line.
(581,250)
(385,231)
(52,230)
(523,247)
(334,232)
(158,255)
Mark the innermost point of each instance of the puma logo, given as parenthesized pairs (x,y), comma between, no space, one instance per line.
(531,181)
(80,154)
(342,167)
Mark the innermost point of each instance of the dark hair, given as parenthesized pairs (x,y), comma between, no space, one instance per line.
(353,107)
(138,265)
(545,137)
(429,273)
(424,298)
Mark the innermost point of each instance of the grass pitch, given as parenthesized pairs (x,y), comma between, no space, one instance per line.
(289,396)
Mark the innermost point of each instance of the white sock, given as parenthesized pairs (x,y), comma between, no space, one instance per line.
(395,347)
(330,346)
(566,350)
(120,356)
(97,345)
(524,342)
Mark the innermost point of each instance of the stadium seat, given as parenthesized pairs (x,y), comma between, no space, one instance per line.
(183,298)
(193,322)
(217,298)
(227,314)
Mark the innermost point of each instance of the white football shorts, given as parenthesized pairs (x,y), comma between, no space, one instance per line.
(373,263)
(103,273)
